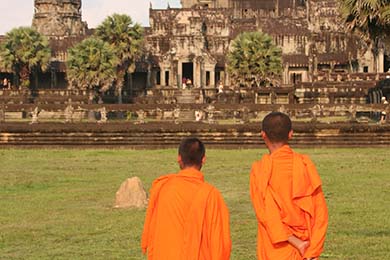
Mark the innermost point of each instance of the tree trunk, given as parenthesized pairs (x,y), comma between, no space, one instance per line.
(130,79)
(36,79)
(375,52)
(119,89)
(25,76)
(119,84)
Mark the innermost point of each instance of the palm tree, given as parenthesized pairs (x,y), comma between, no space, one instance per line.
(254,59)
(126,40)
(370,19)
(91,65)
(23,51)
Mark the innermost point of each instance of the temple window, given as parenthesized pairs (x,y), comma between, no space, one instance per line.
(166,78)
(158,78)
(301,3)
(295,78)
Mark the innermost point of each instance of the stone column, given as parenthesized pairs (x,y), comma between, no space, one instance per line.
(227,79)
(286,78)
(212,78)
(171,76)
(153,78)
(180,72)
(162,77)
(222,75)
(149,77)
(53,77)
(315,72)
(175,74)
(202,75)
(196,76)
(310,69)
(381,61)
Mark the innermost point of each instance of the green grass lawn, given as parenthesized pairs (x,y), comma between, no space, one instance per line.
(57,204)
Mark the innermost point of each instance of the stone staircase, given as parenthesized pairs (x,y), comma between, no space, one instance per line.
(187,96)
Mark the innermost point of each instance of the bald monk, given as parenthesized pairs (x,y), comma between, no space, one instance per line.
(187,218)
(287,197)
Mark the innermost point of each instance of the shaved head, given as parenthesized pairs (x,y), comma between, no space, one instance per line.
(277,127)
(192,151)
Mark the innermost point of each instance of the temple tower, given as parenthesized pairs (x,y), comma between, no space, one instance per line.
(205,3)
(59,18)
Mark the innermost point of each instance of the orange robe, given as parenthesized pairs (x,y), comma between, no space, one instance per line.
(288,200)
(186,219)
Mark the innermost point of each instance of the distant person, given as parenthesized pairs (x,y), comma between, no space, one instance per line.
(287,197)
(383,113)
(220,88)
(189,82)
(184,84)
(186,217)
(198,116)
(5,83)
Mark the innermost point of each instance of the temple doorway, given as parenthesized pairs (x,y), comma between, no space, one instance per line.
(188,72)
(386,63)
(295,78)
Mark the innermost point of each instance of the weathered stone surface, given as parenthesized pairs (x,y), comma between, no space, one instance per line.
(59,19)
(131,194)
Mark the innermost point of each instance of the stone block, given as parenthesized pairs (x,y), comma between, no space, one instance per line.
(131,194)
(13,115)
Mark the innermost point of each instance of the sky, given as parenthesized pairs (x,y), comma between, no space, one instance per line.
(15,13)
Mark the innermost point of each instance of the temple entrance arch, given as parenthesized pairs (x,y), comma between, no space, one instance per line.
(188,71)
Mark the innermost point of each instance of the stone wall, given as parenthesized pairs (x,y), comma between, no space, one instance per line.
(163,136)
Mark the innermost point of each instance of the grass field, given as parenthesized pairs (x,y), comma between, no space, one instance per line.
(57,204)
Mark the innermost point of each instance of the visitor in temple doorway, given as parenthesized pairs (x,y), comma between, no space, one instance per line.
(184,83)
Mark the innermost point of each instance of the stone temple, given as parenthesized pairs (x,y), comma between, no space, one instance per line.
(192,42)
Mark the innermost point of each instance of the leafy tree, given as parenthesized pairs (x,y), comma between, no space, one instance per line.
(126,40)
(254,59)
(369,18)
(24,51)
(91,65)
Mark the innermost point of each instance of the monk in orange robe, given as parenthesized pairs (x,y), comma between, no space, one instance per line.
(187,218)
(287,196)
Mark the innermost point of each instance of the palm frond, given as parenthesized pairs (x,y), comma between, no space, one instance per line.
(23,50)
(254,57)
